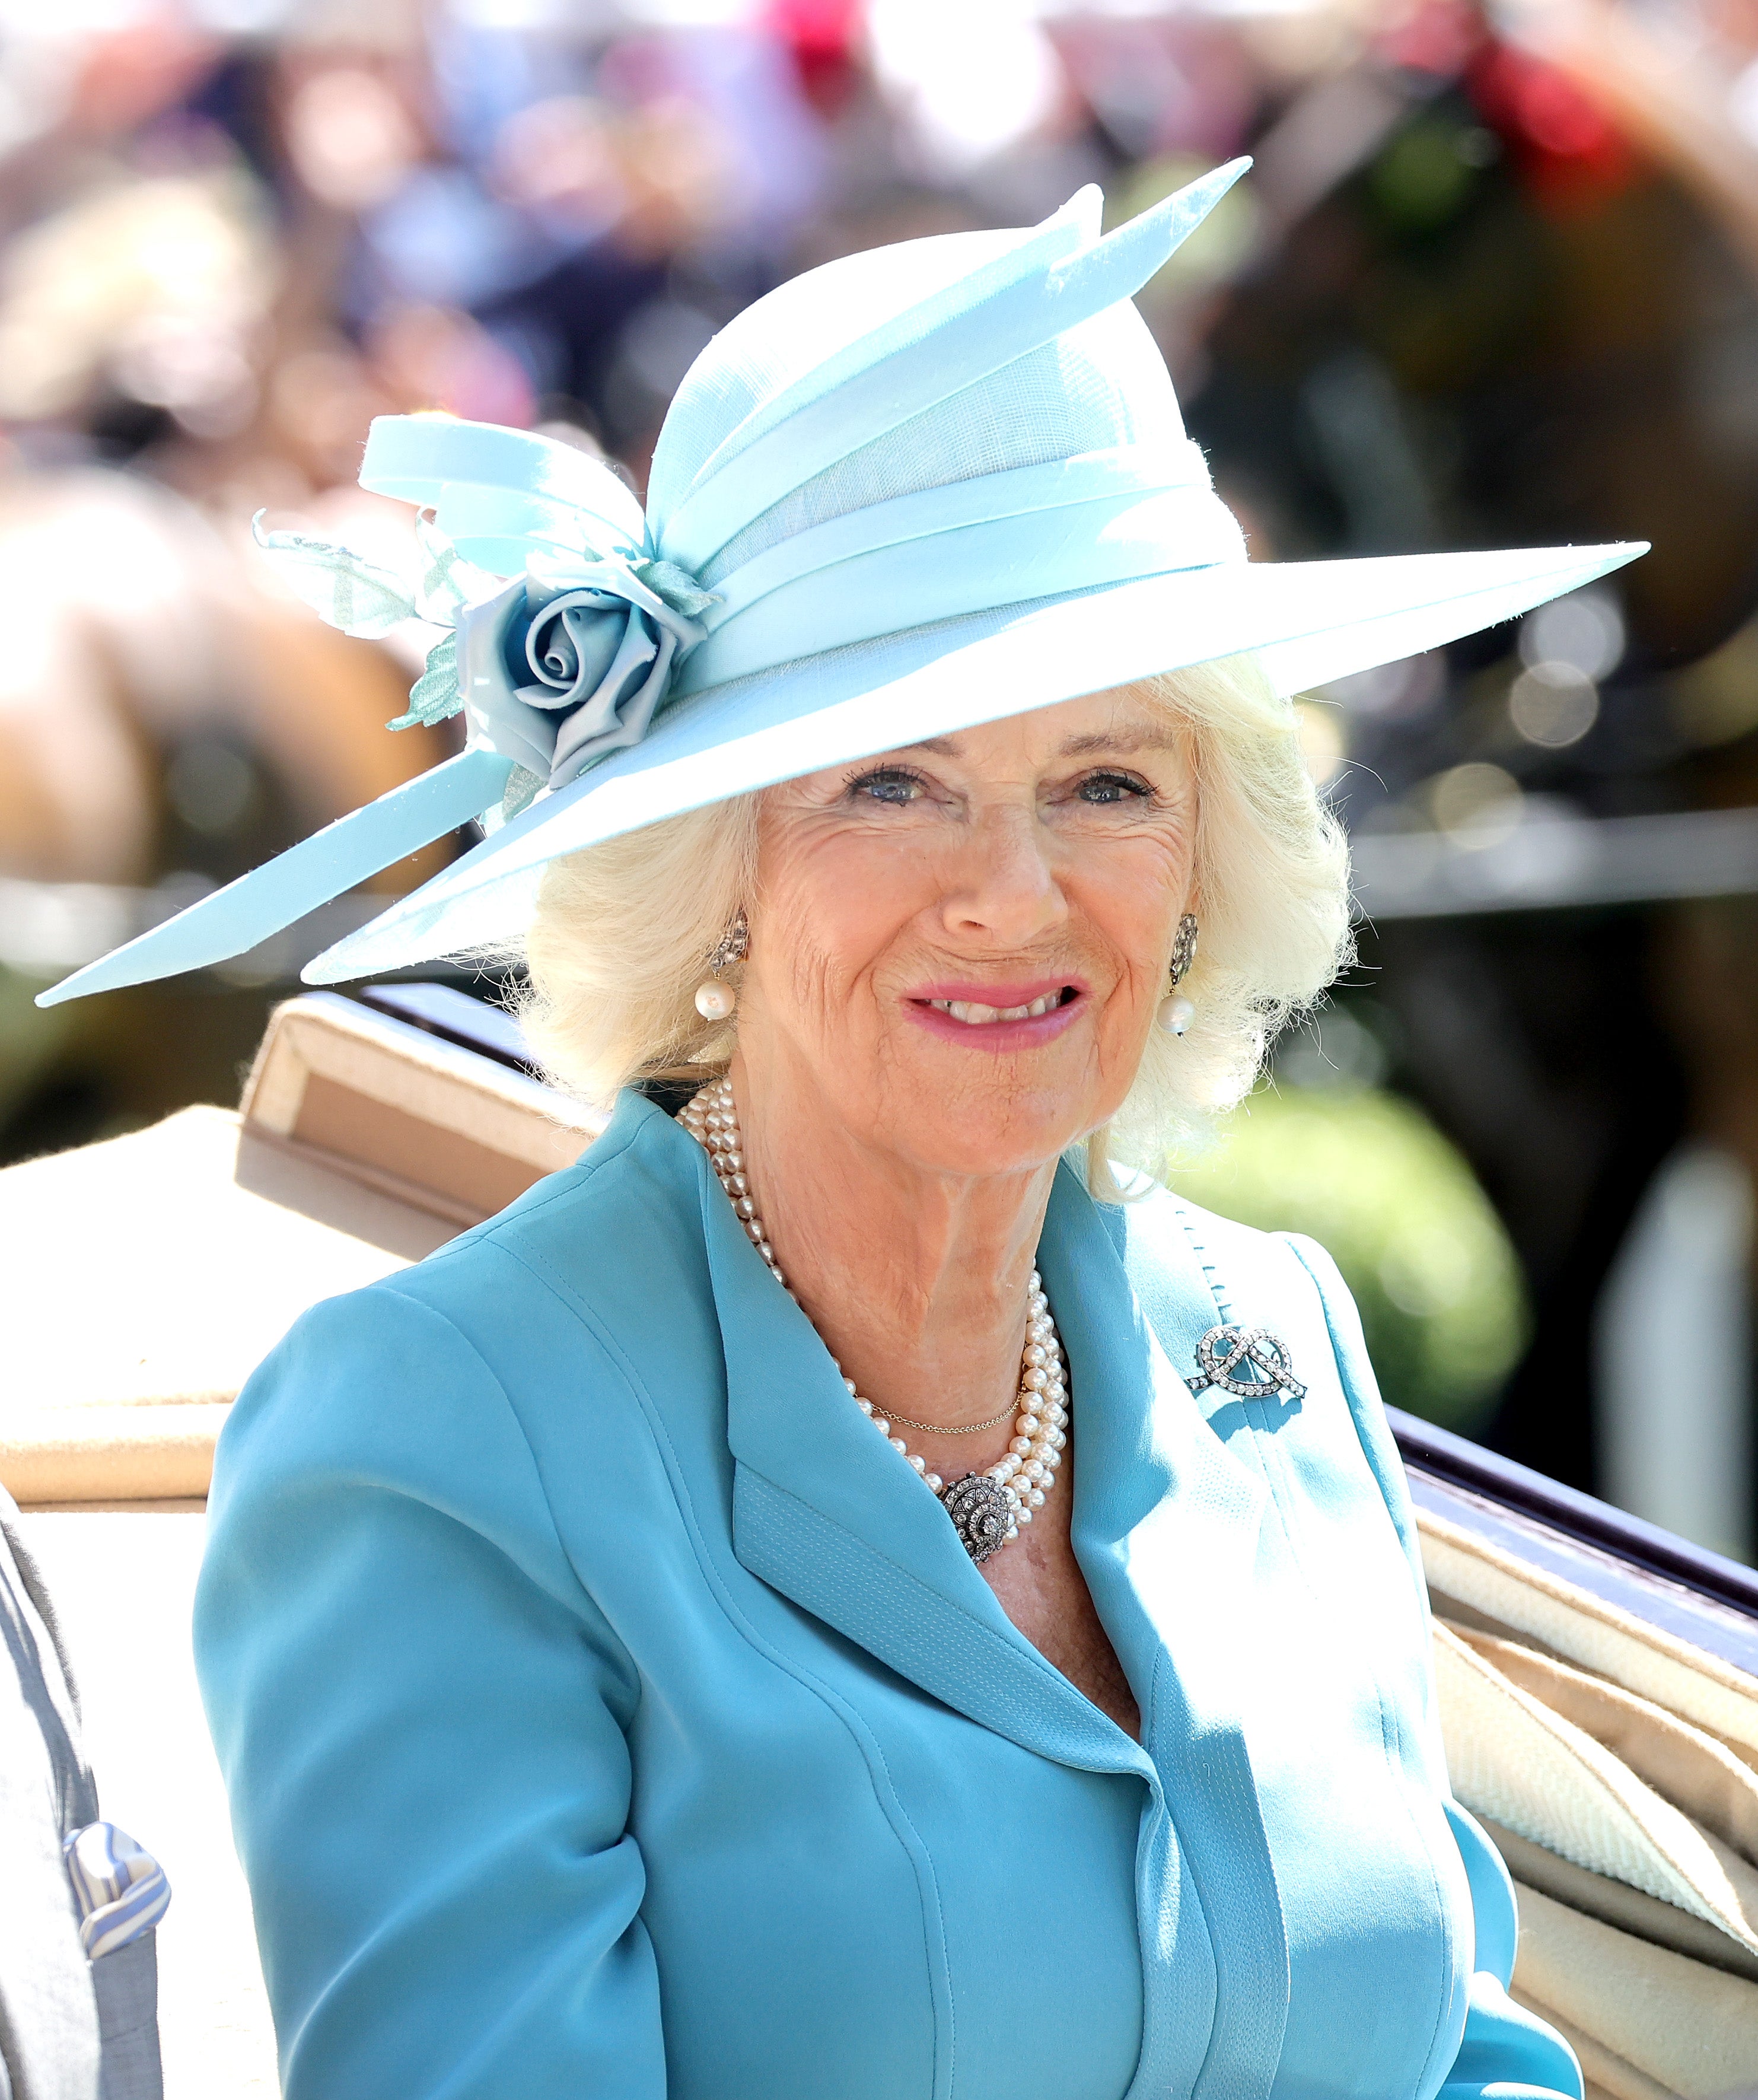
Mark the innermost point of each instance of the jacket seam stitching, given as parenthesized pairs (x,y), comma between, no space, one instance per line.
(998,1641)
(1388,1746)
(421,1304)
(1270,1466)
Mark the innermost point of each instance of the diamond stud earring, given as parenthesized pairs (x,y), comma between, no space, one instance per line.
(1175,1012)
(715,1001)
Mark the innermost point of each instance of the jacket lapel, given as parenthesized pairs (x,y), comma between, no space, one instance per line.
(827,1513)
(1165,1526)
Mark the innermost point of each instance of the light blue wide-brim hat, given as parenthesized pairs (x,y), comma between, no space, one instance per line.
(912,491)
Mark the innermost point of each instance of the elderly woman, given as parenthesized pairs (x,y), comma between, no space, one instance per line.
(851,1589)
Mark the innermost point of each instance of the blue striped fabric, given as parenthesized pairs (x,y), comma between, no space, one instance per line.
(121,1890)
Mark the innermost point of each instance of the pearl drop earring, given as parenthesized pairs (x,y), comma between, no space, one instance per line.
(715,1001)
(1176,1012)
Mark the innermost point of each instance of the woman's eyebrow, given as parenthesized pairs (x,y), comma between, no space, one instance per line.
(1143,738)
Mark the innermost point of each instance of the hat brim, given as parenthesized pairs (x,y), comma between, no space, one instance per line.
(1309,622)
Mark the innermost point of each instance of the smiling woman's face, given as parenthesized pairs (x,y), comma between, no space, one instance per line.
(958,947)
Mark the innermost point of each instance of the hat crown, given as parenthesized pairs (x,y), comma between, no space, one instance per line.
(1100,385)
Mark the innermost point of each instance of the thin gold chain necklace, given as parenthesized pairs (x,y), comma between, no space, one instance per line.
(961,1428)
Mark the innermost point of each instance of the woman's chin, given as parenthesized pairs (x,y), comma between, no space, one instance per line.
(951,1111)
(962,1136)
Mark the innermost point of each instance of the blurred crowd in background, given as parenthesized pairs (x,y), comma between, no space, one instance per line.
(1493,280)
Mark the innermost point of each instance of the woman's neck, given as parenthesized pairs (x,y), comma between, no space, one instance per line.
(916,1280)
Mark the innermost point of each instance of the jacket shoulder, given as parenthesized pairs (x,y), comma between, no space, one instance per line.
(439,1387)
(612,1228)
(499,1348)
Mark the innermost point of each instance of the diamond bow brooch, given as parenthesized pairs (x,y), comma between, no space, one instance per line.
(1249,1362)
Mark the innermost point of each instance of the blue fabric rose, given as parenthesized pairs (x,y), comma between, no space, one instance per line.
(568,661)
(554,670)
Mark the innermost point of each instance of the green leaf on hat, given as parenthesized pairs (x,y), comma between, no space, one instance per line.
(342,588)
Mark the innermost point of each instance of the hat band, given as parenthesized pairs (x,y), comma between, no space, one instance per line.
(1052,484)
(945,570)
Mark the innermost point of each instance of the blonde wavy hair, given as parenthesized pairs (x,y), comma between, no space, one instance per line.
(616,948)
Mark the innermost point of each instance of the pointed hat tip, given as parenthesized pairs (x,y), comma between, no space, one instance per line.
(1184,209)
(1144,243)
(1188,207)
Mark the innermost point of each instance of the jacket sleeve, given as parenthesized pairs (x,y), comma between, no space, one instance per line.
(421,1716)
(1505,2046)
(1506,2052)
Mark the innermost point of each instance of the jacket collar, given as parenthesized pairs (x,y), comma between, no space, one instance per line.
(828,1513)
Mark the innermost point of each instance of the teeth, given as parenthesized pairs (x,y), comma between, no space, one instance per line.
(974,1014)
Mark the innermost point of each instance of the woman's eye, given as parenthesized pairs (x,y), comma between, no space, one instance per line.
(1108,787)
(888,785)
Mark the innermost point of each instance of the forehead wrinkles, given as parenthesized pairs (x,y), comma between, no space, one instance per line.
(1130,732)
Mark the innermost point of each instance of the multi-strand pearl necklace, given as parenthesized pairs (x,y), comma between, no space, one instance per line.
(987,1509)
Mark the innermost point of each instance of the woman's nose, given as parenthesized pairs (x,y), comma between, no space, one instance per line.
(1000,888)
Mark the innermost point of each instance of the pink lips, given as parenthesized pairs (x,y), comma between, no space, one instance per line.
(1029,1032)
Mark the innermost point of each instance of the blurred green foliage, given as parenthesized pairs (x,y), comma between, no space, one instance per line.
(1367,1175)
(31,1037)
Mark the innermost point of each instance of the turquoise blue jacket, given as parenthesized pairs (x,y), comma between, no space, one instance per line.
(607,1711)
